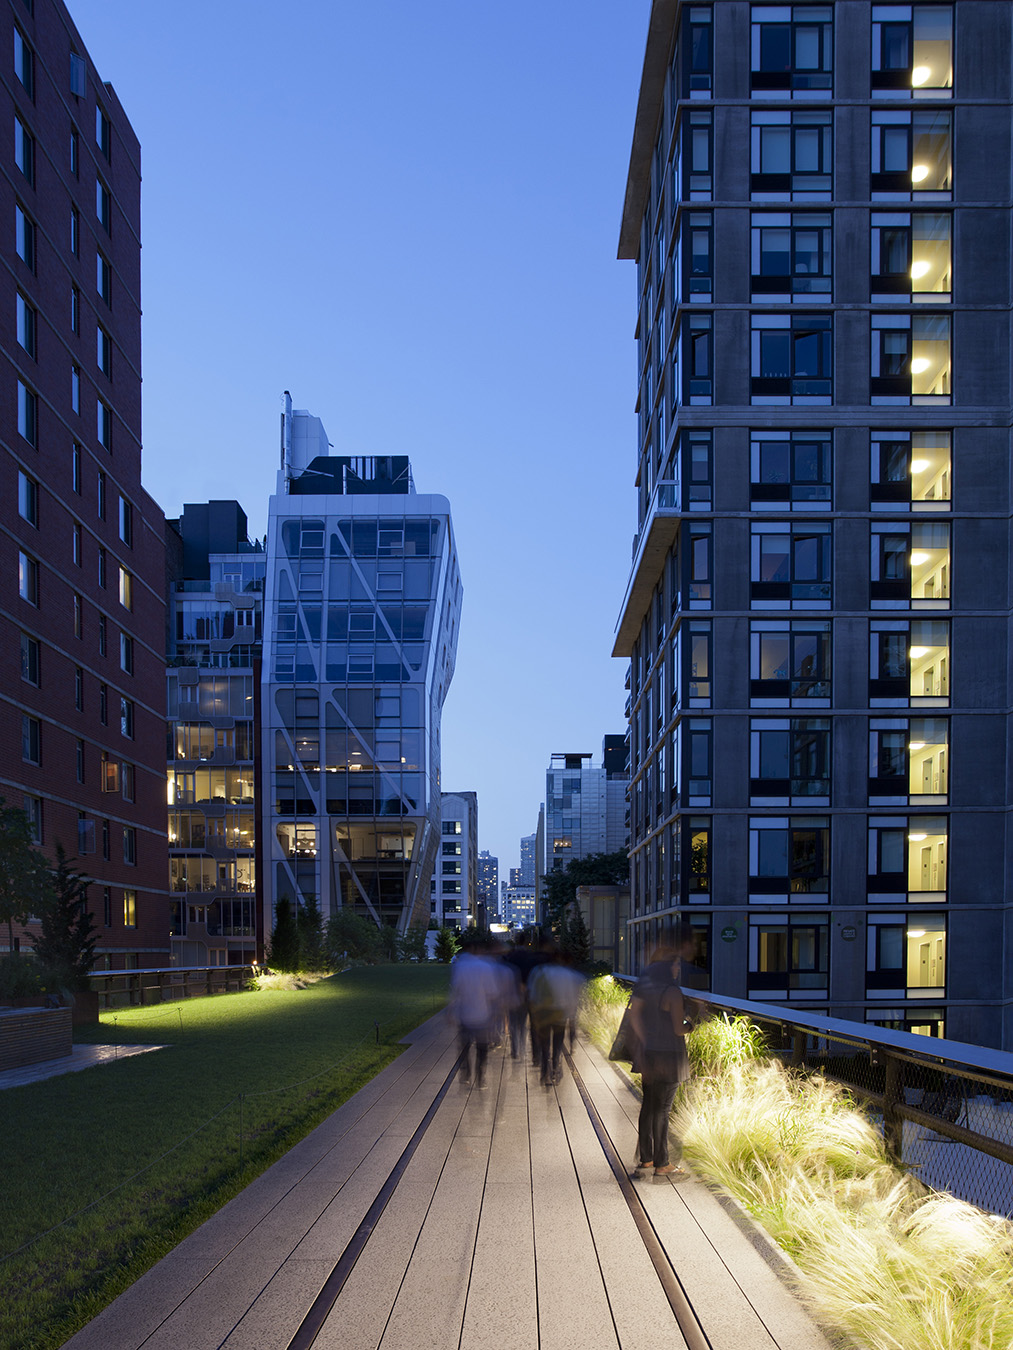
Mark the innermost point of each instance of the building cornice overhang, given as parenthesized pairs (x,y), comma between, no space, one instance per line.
(660,34)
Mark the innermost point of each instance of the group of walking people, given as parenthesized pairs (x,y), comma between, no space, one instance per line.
(528,991)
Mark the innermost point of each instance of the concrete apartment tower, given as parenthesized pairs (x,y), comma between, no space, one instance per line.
(361,610)
(585,804)
(82,560)
(818,614)
(216,593)
(455,899)
(488,882)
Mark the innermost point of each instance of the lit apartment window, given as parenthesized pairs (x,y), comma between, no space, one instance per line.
(911,154)
(911,359)
(789,855)
(791,155)
(103,205)
(911,255)
(790,468)
(452,827)
(912,50)
(791,563)
(791,255)
(24,237)
(24,150)
(30,660)
(909,659)
(451,869)
(31,740)
(126,589)
(129,909)
(28,498)
(792,359)
(788,956)
(26,324)
(907,858)
(789,758)
(103,278)
(906,956)
(103,132)
(911,467)
(910,565)
(24,63)
(789,661)
(75,388)
(104,351)
(792,48)
(104,424)
(28,414)
(28,578)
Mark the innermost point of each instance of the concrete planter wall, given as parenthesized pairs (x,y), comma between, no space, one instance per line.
(33,1035)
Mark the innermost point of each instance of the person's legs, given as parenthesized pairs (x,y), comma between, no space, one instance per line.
(645,1125)
(662,1098)
(481,1054)
(466,1038)
(558,1036)
(518,1018)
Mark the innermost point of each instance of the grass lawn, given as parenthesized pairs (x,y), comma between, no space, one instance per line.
(122,1161)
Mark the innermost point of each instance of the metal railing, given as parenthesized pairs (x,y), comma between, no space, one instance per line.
(945,1108)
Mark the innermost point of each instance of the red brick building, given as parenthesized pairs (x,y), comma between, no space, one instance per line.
(82,571)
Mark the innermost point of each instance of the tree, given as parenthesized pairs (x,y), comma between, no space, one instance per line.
(559,887)
(25,880)
(574,939)
(66,944)
(446,945)
(311,935)
(411,946)
(353,936)
(283,953)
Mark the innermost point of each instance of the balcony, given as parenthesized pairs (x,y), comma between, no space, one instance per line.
(650,548)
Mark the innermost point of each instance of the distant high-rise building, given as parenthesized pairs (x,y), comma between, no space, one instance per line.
(585,806)
(216,591)
(488,882)
(82,564)
(518,906)
(817,617)
(529,859)
(454,893)
(361,613)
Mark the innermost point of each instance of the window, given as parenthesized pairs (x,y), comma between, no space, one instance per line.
(127,775)
(31,739)
(104,428)
(103,568)
(911,361)
(80,761)
(451,850)
(101,635)
(101,488)
(791,563)
(910,660)
(788,955)
(789,661)
(792,48)
(127,718)
(105,840)
(699,565)
(911,255)
(76,547)
(909,757)
(30,660)
(790,758)
(24,150)
(26,324)
(75,232)
(28,498)
(103,704)
(75,388)
(28,414)
(907,858)
(789,856)
(28,578)
(33,810)
(129,909)
(451,869)
(694,262)
(103,132)
(103,205)
(104,351)
(697,358)
(912,50)
(910,154)
(906,954)
(910,565)
(78,80)
(78,616)
(75,152)
(697,50)
(693,167)
(79,689)
(103,278)
(24,237)
(791,155)
(75,468)
(126,589)
(792,358)
(130,845)
(791,255)
(24,63)
(911,467)
(452,827)
(790,468)
(127,653)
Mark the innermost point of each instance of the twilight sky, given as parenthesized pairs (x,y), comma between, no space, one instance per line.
(408,216)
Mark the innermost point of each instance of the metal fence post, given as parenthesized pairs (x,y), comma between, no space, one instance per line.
(893,1124)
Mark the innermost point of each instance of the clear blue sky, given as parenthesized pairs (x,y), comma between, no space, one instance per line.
(408,216)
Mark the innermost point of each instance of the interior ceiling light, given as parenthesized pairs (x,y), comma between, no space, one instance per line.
(920,75)
(919,173)
(916,652)
(919,269)
(919,465)
(916,932)
(917,838)
(918,559)
(916,745)
(919,365)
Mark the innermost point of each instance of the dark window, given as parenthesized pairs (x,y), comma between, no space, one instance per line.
(30,660)
(791,467)
(24,63)
(789,953)
(793,359)
(790,758)
(793,562)
(790,662)
(24,237)
(791,253)
(791,858)
(795,52)
(791,152)
(24,150)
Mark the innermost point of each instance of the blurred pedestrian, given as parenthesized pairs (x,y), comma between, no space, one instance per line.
(554,991)
(523,958)
(658,1018)
(477,996)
